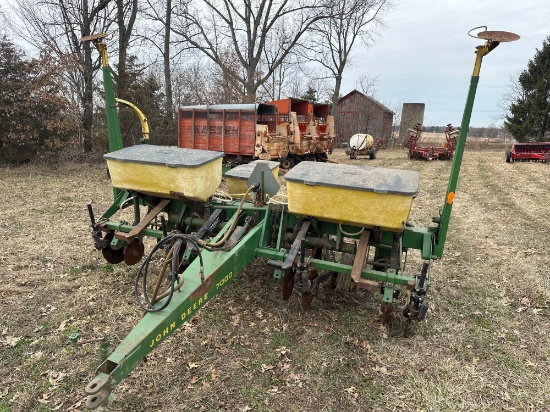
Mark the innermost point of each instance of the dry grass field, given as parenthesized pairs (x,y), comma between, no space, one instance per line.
(485,345)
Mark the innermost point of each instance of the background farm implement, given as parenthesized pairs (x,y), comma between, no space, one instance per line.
(361,144)
(202,240)
(287,130)
(522,152)
(444,152)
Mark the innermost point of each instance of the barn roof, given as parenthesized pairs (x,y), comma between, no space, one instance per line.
(376,102)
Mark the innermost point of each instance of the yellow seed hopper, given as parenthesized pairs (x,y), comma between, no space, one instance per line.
(355,195)
(166,171)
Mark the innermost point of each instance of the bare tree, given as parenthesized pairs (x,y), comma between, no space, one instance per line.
(3,21)
(57,26)
(166,60)
(159,13)
(351,20)
(191,84)
(247,28)
(367,85)
(282,76)
(396,124)
(513,92)
(126,11)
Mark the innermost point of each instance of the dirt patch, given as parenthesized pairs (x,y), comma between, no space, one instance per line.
(483,347)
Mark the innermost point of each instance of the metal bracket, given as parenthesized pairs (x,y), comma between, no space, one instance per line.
(359,264)
(295,248)
(128,237)
(98,390)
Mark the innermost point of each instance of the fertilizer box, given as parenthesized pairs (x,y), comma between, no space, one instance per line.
(237,177)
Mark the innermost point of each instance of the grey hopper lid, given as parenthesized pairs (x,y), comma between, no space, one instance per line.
(164,156)
(365,178)
(244,171)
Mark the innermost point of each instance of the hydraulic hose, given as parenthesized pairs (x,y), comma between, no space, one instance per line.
(233,223)
(148,304)
(177,240)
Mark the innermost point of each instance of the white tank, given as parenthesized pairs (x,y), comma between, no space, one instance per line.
(361,141)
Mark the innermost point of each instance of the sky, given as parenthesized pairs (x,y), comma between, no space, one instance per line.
(426,56)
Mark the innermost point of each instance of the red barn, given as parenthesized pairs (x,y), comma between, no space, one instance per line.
(358,113)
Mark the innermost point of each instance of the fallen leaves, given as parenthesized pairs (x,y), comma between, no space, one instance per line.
(12,340)
(193,365)
(360,343)
(55,378)
(264,368)
(192,382)
(352,391)
(341,349)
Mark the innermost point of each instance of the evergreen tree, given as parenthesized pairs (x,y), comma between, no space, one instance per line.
(145,91)
(529,112)
(310,94)
(14,128)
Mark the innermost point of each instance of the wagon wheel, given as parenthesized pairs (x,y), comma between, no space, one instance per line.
(287,162)
(372,154)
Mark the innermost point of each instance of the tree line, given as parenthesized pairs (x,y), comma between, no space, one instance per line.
(167,53)
(490,132)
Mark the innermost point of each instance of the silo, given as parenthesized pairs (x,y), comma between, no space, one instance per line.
(411,114)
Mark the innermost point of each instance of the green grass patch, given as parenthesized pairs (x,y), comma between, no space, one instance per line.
(78,270)
(480,320)
(252,393)
(500,357)
(278,339)
(373,390)
(15,354)
(75,271)
(70,330)
(108,268)
(332,338)
(512,337)
(32,370)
